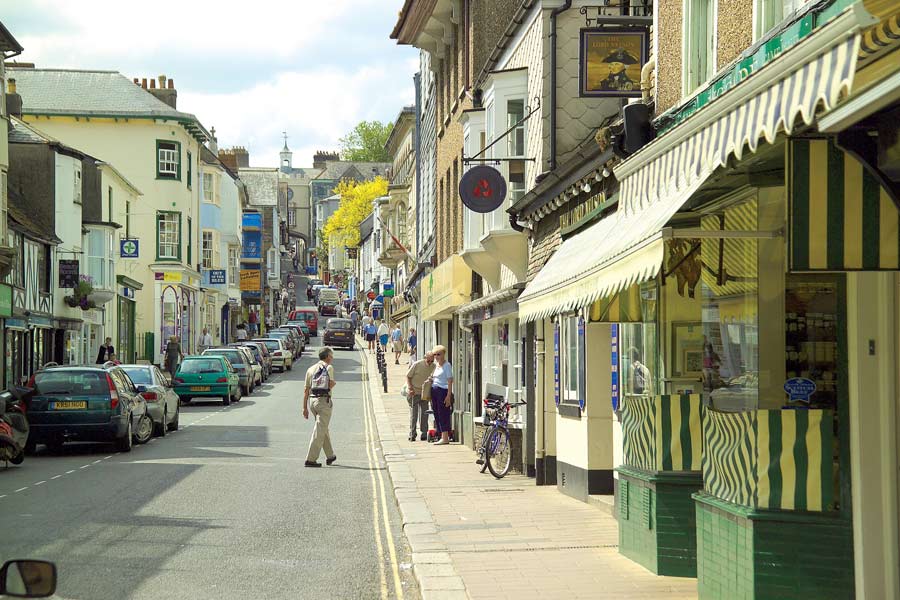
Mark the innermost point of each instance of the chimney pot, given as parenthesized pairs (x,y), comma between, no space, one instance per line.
(137,81)
(162,82)
(171,84)
(144,83)
(152,84)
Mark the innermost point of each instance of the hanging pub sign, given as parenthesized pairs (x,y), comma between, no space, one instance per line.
(352,252)
(611,60)
(68,274)
(482,189)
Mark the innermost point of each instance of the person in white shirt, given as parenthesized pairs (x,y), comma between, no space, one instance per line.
(241,334)
(383,332)
(205,340)
(442,394)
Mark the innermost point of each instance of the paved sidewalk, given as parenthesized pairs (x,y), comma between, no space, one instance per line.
(474,536)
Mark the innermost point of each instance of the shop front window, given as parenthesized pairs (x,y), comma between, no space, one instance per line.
(571,359)
(169,315)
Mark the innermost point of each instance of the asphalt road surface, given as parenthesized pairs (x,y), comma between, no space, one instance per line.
(224,508)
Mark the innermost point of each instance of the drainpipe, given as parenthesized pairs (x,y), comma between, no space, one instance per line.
(553,14)
(540,397)
(646,75)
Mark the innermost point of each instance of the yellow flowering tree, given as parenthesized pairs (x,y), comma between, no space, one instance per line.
(356,204)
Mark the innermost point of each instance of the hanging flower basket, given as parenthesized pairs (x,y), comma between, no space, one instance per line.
(80,293)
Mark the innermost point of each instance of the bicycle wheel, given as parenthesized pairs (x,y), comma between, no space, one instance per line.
(482,451)
(499,455)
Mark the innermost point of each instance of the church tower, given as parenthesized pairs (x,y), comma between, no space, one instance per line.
(286,156)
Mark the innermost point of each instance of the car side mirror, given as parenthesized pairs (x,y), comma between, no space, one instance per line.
(28,579)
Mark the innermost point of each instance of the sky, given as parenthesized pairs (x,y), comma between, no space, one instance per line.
(251,69)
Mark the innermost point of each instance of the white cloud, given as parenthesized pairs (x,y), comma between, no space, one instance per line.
(314,107)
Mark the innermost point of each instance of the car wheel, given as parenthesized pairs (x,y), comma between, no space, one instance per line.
(18,458)
(145,430)
(226,399)
(173,426)
(125,443)
(290,366)
(248,389)
(161,428)
(184,400)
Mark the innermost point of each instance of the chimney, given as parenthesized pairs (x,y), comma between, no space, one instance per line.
(227,158)
(13,100)
(235,158)
(144,83)
(166,91)
(242,157)
(320,158)
(213,144)
(137,82)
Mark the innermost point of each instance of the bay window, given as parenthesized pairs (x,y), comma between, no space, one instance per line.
(209,190)
(168,160)
(100,266)
(699,53)
(168,235)
(206,249)
(234,265)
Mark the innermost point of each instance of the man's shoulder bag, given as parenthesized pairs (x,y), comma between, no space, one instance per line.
(321,382)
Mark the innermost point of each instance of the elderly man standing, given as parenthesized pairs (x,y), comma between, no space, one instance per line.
(319,383)
(416,376)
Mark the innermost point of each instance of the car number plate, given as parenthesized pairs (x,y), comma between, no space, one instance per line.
(199,388)
(69,405)
(339,334)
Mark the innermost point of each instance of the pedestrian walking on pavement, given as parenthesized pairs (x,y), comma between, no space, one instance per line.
(416,377)
(106,350)
(370,331)
(253,321)
(319,383)
(354,319)
(397,343)
(411,342)
(383,335)
(205,340)
(241,333)
(173,354)
(442,394)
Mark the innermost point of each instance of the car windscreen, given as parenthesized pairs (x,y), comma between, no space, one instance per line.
(272,344)
(201,365)
(139,375)
(234,356)
(339,324)
(76,383)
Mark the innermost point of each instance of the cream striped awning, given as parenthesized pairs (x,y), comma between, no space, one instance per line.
(706,141)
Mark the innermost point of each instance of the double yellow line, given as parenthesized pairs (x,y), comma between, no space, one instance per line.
(380,516)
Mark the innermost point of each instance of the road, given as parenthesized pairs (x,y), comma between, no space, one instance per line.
(224,508)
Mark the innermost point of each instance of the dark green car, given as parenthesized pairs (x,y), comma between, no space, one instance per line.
(207,376)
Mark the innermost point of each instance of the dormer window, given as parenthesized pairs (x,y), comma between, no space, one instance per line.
(168,160)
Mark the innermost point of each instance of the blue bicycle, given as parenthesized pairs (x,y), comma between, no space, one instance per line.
(495,453)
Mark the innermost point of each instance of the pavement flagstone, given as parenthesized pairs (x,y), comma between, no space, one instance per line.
(474,536)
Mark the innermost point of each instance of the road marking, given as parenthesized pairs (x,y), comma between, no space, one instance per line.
(56,477)
(20,490)
(84,467)
(369,411)
(106,457)
(96,461)
(41,482)
(70,472)
(375,514)
(3,496)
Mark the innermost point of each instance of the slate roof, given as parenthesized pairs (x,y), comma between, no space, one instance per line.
(91,93)
(366,227)
(24,220)
(7,42)
(20,133)
(345,169)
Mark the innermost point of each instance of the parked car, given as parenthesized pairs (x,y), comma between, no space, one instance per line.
(265,365)
(299,340)
(209,376)
(255,365)
(241,366)
(264,352)
(328,308)
(281,356)
(156,389)
(303,327)
(87,403)
(339,333)
(308,315)
(289,341)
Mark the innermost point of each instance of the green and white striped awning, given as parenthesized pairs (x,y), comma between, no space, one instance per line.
(784,95)
(841,218)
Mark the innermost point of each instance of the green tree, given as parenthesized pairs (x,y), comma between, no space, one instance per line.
(356,203)
(366,142)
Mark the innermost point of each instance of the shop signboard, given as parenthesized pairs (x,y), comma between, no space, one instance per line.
(352,253)
(250,280)
(68,273)
(614,364)
(482,189)
(388,290)
(129,248)
(217,277)
(252,245)
(799,388)
(168,276)
(611,60)
(6,302)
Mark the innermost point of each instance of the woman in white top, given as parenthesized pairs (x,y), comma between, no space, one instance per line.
(442,394)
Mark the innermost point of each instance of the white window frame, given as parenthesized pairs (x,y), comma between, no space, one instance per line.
(700,21)
(168,224)
(568,327)
(209,188)
(76,185)
(500,90)
(207,240)
(234,265)
(167,160)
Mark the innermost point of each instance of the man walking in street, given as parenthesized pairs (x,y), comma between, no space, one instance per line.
(397,343)
(416,377)
(319,383)
(205,340)
(354,319)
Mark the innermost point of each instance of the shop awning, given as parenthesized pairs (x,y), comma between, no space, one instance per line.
(621,250)
(447,287)
(783,95)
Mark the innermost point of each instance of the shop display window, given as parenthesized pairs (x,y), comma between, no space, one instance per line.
(639,348)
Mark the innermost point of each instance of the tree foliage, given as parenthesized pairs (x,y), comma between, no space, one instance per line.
(366,142)
(355,205)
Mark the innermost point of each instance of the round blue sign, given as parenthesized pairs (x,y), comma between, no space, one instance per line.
(482,189)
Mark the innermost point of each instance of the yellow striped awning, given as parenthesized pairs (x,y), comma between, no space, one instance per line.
(812,76)
(841,218)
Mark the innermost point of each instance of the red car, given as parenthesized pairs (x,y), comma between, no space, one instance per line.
(310,316)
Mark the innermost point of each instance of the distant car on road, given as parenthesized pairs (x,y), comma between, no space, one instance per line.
(87,403)
(303,327)
(265,364)
(310,316)
(289,341)
(339,333)
(281,354)
(209,376)
(156,389)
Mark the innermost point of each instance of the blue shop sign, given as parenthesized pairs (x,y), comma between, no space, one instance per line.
(129,248)
(800,388)
(614,364)
(252,245)
(217,277)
